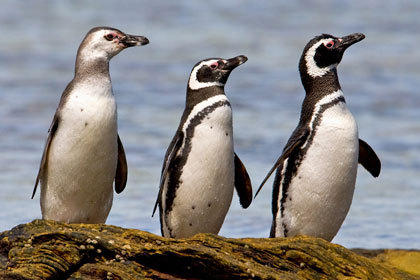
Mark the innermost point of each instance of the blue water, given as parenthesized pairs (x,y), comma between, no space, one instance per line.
(379,77)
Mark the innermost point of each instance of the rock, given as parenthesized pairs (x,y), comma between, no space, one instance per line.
(51,250)
(406,260)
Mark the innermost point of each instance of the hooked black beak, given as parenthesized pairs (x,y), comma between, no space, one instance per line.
(234,62)
(133,40)
(349,40)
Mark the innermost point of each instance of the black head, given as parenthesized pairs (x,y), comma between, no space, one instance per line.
(213,72)
(323,53)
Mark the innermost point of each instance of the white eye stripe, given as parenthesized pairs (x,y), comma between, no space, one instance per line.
(193,82)
(313,69)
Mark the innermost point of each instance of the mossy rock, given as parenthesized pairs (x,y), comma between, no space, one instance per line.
(406,260)
(51,250)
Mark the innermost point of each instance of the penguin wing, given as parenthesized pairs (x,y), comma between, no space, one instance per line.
(297,139)
(242,183)
(122,169)
(170,155)
(368,158)
(51,133)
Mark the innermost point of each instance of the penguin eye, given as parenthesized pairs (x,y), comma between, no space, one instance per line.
(329,45)
(109,36)
(214,65)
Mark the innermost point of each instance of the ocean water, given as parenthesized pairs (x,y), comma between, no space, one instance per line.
(379,77)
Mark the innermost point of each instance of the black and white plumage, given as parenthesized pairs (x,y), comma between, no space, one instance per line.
(201,168)
(316,173)
(83,153)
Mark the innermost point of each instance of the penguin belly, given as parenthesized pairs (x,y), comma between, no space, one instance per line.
(206,186)
(77,186)
(320,194)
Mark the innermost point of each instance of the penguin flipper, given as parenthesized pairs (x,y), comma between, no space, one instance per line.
(242,183)
(170,155)
(51,133)
(293,143)
(122,169)
(368,158)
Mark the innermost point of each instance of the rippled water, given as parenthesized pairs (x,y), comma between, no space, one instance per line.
(379,77)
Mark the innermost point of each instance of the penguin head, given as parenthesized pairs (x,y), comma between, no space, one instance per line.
(213,72)
(106,42)
(323,53)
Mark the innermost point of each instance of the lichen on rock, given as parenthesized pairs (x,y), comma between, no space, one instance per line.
(51,250)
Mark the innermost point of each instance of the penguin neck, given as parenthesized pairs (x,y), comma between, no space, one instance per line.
(316,89)
(322,85)
(94,68)
(196,96)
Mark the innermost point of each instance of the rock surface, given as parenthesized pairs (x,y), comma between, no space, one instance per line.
(51,250)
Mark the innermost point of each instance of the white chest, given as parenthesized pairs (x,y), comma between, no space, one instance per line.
(320,194)
(207,180)
(335,141)
(90,113)
(211,149)
(82,159)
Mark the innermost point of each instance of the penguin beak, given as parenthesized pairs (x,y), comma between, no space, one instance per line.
(349,40)
(133,40)
(234,62)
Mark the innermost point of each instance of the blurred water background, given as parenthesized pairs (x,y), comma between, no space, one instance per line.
(379,77)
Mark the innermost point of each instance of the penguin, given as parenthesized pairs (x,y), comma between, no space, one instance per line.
(83,154)
(201,169)
(316,173)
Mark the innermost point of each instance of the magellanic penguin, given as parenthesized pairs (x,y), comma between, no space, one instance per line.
(201,168)
(316,173)
(83,154)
